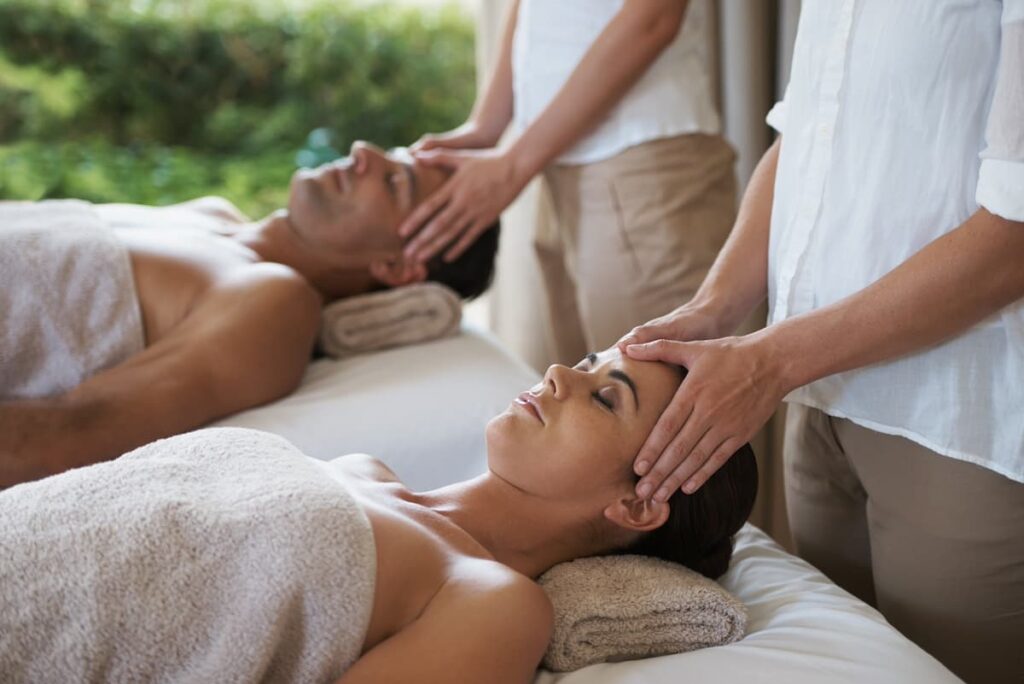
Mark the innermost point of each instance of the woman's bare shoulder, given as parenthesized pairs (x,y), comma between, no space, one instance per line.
(364,466)
(488,585)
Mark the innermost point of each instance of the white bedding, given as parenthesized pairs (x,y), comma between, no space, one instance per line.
(422,410)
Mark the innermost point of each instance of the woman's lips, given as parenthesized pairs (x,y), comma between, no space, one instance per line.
(529,403)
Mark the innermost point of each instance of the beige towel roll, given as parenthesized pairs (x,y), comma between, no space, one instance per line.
(611,608)
(390,318)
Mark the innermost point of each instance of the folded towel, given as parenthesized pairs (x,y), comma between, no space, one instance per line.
(390,318)
(222,555)
(68,307)
(611,608)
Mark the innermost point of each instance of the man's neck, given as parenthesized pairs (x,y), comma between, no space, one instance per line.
(275,240)
(525,532)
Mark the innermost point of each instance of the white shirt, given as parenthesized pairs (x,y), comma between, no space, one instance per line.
(672,98)
(900,120)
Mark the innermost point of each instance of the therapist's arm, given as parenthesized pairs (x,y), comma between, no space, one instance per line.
(956,281)
(493,109)
(735,384)
(484,184)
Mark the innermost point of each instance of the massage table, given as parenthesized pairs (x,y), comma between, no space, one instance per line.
(422,409)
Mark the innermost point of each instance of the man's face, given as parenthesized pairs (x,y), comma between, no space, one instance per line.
(356,204)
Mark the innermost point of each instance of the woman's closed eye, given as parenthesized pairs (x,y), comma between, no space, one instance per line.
(606,397)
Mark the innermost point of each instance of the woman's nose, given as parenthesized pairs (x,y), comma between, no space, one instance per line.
(559,380)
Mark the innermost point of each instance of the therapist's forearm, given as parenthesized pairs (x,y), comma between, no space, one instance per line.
(619,57)
(738,280)
(952,283)
(493,110)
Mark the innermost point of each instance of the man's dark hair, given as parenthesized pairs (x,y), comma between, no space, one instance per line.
(471,274)
(700,526)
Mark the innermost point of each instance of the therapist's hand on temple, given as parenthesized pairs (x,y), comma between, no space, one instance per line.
(688,322)
(468,136)
(733,386)
(483,184)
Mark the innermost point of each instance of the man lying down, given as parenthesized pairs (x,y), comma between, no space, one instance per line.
(227,555)
(123,323)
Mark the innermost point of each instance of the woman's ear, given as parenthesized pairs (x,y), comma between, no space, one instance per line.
(397,271)
(637,515)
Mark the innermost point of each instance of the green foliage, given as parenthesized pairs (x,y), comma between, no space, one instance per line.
(157,101)
(145,174)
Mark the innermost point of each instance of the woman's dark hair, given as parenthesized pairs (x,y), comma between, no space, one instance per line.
(700,526)
(471,274)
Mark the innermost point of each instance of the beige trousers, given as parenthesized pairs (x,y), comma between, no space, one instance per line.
(632,237)
(936,544)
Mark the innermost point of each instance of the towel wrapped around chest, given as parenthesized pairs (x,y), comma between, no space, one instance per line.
(68,305)
(222,555)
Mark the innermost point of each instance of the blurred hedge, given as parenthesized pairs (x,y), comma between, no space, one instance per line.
(154,101)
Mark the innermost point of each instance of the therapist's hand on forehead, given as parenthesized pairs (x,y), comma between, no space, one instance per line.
(486,179)
(484,182)
(732,388)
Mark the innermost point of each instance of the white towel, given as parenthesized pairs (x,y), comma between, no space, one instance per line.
(610,608)
(68,306)
(222,555)
(390,318)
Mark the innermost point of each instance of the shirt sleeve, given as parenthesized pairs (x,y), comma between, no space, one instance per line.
(1001,178)
(777,115)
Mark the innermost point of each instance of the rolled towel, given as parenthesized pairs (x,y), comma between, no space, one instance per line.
(390,318)
(611,608)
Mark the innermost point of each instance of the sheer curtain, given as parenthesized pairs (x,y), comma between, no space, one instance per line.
(754,47)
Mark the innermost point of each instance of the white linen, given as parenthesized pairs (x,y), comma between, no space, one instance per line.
(422,409)
(884,149)
(672,98)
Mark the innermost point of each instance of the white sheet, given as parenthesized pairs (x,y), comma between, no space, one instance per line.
(803,629)
(422,409)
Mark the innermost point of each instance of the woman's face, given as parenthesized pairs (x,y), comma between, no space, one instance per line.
(575,435)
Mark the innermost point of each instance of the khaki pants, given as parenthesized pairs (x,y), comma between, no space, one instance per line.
(935,543)
(632,237)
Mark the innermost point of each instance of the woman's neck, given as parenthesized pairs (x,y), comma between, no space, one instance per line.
(525,532)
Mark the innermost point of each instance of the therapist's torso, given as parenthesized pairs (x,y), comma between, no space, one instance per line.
(884,150)
(672,98)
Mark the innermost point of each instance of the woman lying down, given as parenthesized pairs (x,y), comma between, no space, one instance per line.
(226,555)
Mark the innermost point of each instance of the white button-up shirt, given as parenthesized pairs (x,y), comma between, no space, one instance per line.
(900,120)
(673,97)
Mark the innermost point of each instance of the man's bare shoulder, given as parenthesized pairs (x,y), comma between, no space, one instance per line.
(262,296)
(261,321)
(217,207)
(210,213)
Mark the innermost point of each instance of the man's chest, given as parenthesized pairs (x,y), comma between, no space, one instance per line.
(175,269)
